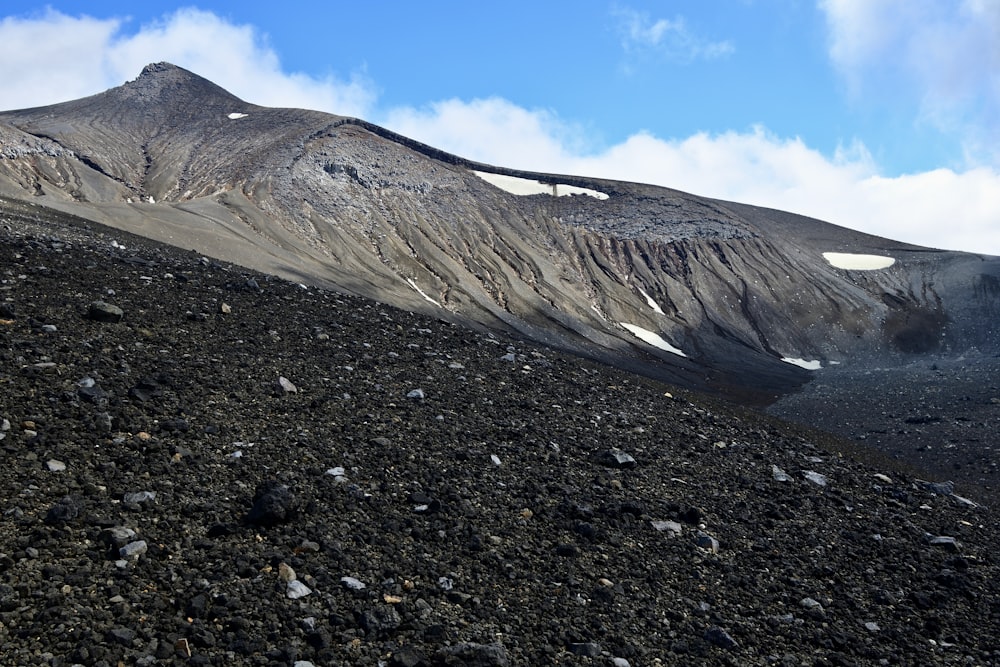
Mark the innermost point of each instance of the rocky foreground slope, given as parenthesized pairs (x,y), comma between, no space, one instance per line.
(236,470)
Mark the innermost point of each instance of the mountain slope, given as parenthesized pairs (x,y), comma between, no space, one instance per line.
(342,203)
(169,500)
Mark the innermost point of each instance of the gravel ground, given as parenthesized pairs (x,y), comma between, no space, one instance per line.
(236,470)
(939,413)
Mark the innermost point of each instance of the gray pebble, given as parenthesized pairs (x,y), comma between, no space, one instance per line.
(133,550)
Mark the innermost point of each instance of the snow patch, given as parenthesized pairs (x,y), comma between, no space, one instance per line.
(237,116)
(813,365)
(853,262)
(524,186)
(652,304)
(652,338)
(421,292)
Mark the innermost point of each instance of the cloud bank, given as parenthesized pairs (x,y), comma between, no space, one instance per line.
(53,57)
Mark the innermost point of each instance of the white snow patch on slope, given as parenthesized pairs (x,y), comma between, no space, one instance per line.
(653,339)
(813,365)
(524,186)
(851,261)
(652,304)
(237,116)
(421,292)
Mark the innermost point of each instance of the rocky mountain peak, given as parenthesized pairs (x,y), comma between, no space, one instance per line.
(161,67)
(167,84)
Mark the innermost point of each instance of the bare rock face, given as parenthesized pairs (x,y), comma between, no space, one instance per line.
(709,294)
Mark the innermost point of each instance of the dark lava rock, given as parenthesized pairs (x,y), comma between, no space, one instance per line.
(380,621)
(585,649)
(616,458)
(567,550)
(408,656)
(100,311)
(469,654)
(721,638)
(67,509)
(273,503)
(123,636)
(93,394)
(692,515)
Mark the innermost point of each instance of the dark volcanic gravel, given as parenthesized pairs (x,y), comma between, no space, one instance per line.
(940,413)
(242,471)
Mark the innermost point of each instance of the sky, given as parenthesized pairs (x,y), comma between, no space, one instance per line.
(878,115)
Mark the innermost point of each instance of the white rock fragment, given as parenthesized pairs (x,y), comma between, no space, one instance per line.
(139,497)
(779,475)
(495,459)
(54,465)
(816,478)
(296,589)
(286,385)
(353,584)
(133,550)
(810,603)
(964,501)
(671,527)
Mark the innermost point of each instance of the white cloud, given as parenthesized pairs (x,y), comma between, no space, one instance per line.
(941,57)
(493,130)
(54,57)
(671,38)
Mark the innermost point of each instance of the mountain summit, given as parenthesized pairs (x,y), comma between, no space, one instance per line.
(709,294)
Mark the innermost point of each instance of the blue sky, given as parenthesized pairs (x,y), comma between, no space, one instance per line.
(881,115)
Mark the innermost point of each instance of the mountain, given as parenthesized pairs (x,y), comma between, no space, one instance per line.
(205,465)
(711,295)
